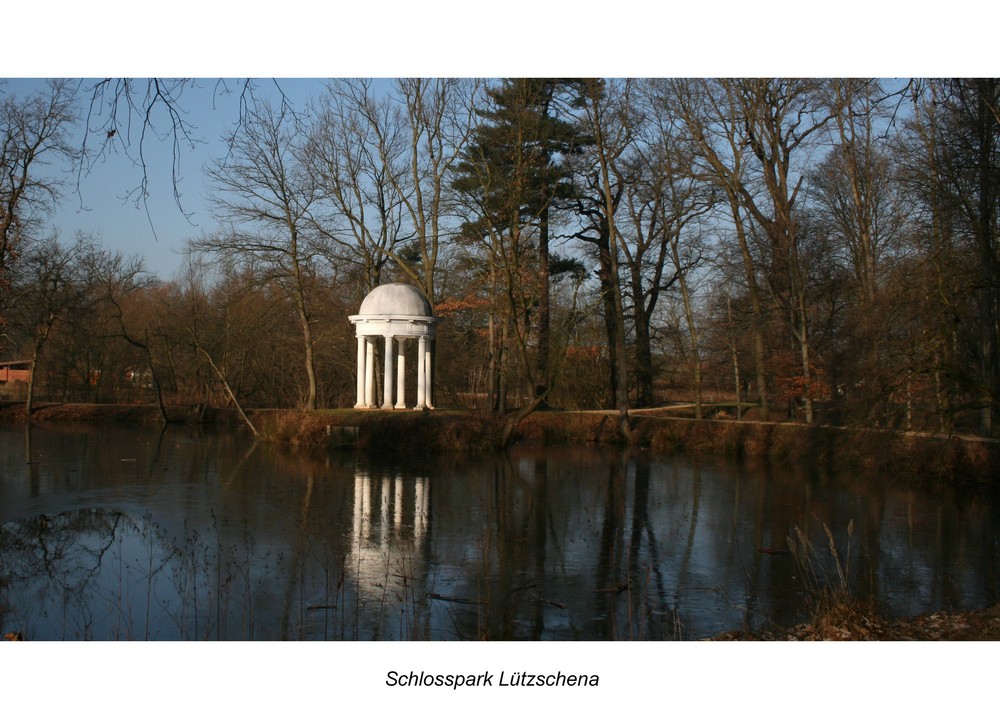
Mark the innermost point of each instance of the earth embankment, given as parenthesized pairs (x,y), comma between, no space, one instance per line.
(947,457)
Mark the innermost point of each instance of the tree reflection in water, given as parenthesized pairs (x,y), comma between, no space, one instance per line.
(212,537)
(103,574)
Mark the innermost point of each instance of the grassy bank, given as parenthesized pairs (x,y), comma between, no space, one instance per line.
(837,448)
(61,413)
(376,431)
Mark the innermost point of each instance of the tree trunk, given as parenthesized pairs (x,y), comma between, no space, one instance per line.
(156,380)
(544,338)
(606,275)
(229,391)
(757,310)
(643,349)
(807,375)
(692,327)
(39,342)
(984,227)
(736,358)
(307,338)
(31,387)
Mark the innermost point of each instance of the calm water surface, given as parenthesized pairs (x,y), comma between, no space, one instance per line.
(116,533)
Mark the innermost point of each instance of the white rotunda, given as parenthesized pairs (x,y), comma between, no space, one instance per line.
(396,312)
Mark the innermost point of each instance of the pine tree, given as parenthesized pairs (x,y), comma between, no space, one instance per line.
(514,171)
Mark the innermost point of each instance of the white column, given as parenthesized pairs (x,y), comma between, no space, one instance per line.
(421,374)
(429,380)
(369,372)
(387,383)
(400,373)
(360,394)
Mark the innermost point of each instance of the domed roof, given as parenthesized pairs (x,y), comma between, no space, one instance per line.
(396,298)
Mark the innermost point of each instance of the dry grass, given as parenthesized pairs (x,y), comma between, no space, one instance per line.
(376,431)
(848,624)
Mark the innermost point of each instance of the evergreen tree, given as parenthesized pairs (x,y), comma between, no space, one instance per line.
(514,173)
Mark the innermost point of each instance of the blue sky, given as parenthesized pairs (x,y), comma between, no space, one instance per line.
(156,228)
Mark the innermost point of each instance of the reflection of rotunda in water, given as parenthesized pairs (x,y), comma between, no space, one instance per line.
(389,530)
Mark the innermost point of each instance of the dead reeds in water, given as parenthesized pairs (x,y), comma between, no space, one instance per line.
(827,581)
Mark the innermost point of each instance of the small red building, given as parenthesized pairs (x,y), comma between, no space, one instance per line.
(14,378)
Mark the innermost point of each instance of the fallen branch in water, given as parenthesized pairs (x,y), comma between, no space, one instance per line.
(551,602)
(456,600)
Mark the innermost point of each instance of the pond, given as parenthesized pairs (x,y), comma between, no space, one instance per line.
(116,533)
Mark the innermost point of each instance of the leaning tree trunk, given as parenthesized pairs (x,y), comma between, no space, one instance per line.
(229,391)
(39,341)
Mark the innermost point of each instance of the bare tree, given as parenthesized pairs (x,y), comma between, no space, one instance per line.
(264,195)
(439,120)
(663,197)
(780,118)
(356,150)
(124,116)
(603,109)
(712,130)
(964,119)
(118,282)
(51,283)
(751,136)
(852,185)
(228,328)
(33,135)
